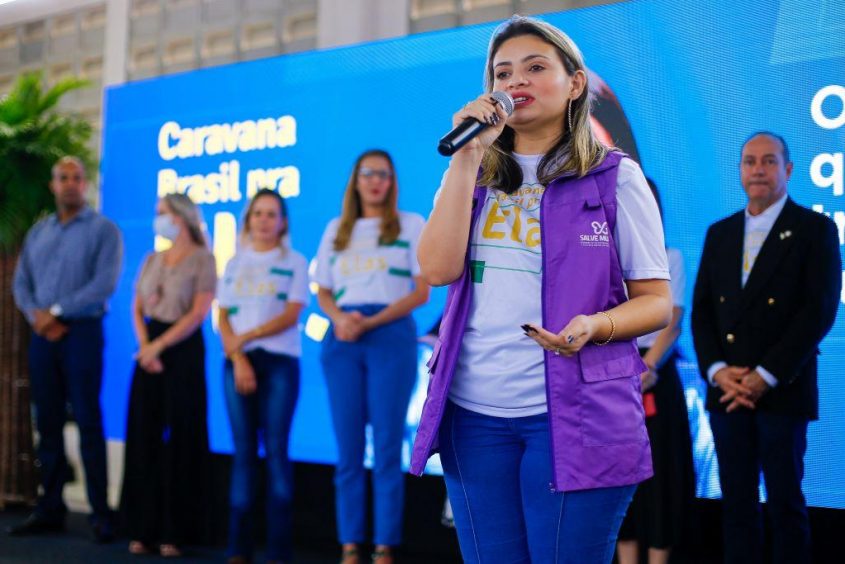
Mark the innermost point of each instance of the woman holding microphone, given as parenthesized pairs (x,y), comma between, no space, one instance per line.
(534,401)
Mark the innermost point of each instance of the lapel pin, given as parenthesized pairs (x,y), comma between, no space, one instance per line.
(785,234)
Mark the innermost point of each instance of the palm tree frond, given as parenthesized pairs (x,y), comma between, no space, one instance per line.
(33,136)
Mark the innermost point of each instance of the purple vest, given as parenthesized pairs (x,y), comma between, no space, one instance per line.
(596,418)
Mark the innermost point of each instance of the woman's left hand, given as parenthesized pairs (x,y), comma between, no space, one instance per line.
(571,339)
(149,352)
(153,367)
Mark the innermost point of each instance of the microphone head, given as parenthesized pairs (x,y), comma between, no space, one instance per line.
(504,100)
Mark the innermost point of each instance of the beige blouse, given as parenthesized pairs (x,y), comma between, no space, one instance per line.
(167,292)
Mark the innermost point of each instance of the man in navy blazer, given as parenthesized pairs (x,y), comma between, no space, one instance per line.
(767,292)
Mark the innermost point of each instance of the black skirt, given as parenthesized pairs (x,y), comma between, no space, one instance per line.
(659,515)
(166,465)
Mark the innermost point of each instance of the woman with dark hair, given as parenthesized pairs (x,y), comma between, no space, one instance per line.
(166,435)
(659,512)
(263,292)
(369,284)
(534,402)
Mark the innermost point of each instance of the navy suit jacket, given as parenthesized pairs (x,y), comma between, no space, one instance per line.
(781,315)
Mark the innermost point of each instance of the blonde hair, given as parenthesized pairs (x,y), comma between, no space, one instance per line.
(353,209)
(576,151)
(283,213)
(184,207)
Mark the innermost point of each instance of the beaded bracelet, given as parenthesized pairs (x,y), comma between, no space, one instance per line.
(612,330)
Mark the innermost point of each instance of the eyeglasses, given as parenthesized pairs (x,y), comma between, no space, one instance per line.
(368,172)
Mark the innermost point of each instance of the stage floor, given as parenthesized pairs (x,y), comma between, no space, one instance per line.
(75,546)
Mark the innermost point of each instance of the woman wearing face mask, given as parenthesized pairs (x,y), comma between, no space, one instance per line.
(534,401)
(369,284)
(261,296)
(166,440)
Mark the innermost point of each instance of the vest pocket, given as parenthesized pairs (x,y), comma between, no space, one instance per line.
(614,360)
(609,398)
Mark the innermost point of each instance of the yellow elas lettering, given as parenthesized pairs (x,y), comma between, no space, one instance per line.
(493,218)
(532,238)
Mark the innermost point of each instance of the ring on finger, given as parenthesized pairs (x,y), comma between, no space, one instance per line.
(556,350)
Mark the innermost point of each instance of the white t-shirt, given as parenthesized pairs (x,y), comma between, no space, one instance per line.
(366,272)
(678,284)
(500,371)
(257,287)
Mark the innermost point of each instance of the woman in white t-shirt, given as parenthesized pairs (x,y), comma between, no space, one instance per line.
(263,292)
(369,284)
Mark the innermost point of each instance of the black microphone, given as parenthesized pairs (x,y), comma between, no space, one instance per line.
(470,127)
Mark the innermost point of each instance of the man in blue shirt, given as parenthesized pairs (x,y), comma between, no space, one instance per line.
(67,270)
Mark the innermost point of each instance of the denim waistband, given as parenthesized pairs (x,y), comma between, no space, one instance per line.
(366,309)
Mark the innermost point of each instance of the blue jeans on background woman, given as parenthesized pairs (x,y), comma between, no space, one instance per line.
(370,381)
(269,411)
(498,474)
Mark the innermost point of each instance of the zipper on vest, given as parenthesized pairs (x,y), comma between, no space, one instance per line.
(553,484)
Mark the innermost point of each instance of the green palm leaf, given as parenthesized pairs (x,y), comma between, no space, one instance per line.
(33,136)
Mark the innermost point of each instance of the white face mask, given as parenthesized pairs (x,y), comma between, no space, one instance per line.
(164,226)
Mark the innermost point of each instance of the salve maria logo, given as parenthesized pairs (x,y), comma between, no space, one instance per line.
(599,236)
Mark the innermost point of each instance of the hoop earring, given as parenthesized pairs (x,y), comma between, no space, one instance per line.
(569,115)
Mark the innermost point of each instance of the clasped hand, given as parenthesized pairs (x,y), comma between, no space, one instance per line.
(245,380)
(232,343)
(148,356)
(47,326)
(244,374)
(741,387)
(350,326)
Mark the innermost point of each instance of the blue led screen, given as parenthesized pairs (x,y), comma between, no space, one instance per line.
(680,84)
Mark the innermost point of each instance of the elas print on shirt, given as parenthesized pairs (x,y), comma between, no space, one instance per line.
(367,271)
(510,222)
(257,287)
(500,371)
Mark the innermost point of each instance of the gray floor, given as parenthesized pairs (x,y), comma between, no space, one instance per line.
(75,545)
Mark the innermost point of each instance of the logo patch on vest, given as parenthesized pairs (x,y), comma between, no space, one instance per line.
(599,236)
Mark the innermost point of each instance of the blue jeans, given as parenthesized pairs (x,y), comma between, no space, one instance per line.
(498,474)
(69,370)
(268,412)
(370,380)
